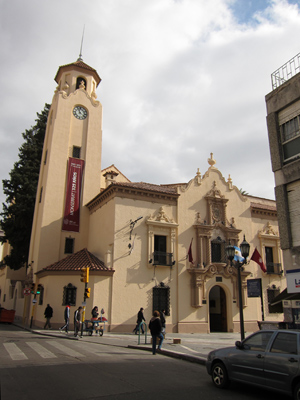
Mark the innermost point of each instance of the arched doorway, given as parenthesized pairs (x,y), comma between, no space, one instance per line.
(217,309)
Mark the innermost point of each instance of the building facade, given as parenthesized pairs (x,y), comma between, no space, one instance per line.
(283,121)
(146,245)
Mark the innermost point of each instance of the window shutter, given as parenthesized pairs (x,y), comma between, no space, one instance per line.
(293,193)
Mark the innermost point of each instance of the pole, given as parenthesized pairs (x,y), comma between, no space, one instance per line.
(241,302)
(262,303)
(32,312)
(83,312)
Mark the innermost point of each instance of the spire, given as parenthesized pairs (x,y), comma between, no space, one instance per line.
(80,54)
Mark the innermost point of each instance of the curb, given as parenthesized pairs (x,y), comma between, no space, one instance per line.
(168,353)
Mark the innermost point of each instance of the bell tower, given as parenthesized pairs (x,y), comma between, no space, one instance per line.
(70,169)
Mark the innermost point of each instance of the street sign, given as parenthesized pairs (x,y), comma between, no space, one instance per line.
(34,301)
(26,292)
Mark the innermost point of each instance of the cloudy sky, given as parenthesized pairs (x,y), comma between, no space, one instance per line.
(180,79)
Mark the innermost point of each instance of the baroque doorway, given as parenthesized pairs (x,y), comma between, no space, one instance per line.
(217,309)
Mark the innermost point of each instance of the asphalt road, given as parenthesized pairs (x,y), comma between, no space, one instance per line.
(50,368)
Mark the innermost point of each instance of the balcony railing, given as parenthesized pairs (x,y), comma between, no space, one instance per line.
(286,71)
(162,258)
(274,268)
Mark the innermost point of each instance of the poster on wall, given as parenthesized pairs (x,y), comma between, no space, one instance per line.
(72,204)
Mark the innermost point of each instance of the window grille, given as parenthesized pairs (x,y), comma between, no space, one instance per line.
(161,298)
(69,295)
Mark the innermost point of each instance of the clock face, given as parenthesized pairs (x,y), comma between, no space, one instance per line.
(80,112)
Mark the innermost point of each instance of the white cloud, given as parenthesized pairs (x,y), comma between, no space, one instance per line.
(180,79)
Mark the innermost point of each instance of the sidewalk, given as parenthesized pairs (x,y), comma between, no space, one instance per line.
(191,347)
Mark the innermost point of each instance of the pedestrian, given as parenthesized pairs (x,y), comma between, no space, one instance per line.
(95,313)
(77,320)
(67,319)
(163,322)
(139,320)
(155,329)
(48,315)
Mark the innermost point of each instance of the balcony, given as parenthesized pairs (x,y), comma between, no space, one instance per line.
(274,268)
(162,258)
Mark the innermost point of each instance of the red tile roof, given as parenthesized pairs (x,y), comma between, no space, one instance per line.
(147,186)
(77,261)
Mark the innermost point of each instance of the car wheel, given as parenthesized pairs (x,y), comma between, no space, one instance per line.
(219,376)
(297,392)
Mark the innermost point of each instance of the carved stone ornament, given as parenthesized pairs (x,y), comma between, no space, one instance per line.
(160,216)
(268,230)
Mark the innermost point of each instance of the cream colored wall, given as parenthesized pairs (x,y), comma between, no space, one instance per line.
(53,294)
(133,279)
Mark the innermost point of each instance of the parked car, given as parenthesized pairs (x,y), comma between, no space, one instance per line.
(268,358)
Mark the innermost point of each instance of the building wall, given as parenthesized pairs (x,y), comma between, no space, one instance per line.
(283,104)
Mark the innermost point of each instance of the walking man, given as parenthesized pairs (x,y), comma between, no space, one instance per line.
(67,319)
(77,321)
(48,315)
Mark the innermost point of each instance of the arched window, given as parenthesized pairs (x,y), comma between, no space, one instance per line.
(78,82)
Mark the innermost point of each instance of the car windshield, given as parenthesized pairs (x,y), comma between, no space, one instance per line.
(258,341)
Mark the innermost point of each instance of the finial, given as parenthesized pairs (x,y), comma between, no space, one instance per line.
(80,54)
(211,160)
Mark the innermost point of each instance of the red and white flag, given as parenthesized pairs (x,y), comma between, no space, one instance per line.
(258,259)
(190,254)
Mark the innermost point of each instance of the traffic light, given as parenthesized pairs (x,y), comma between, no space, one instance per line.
(39,289)
(87,292)
(32,288)
(85,275)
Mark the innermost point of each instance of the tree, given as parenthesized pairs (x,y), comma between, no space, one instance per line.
(20,190)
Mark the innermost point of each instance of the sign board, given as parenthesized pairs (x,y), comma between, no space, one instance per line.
(34,301)
(254,287)
(293,280)
(26,292)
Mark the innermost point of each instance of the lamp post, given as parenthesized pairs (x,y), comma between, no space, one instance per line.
(231,253)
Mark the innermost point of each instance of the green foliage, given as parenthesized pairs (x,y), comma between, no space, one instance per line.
(243,192)
(20,190)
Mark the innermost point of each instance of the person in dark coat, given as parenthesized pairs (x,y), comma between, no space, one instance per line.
(77,321)
(140,318)
(95,312)
(155,329)
(48,315)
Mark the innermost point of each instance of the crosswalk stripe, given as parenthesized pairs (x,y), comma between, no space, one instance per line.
(14,351)
(44,353)
(63,348)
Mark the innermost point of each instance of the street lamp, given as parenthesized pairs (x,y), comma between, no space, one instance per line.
(231,252)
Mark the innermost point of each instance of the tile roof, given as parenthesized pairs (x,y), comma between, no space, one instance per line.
(147,186)
(81,65)
(263,206)
(77,261)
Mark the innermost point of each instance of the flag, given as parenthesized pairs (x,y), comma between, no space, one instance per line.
(258,259)
(190,254)
(237,254)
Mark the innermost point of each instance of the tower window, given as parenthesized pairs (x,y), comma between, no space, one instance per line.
(76,152)
(78,82)
(69,246)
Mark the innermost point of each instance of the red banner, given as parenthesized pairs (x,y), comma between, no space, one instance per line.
(72,206)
